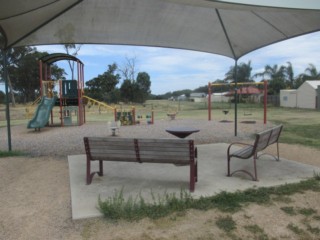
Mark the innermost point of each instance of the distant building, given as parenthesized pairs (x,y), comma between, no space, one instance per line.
(250,93)
(182,97)
(306,96)
(288,98)
(197,97)
(220,97)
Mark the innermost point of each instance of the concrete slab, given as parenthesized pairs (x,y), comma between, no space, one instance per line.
(135,178)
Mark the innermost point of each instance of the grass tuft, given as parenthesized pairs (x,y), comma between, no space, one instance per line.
(257,231)
(289,210)
(296,229)
(227,224)
(117,207)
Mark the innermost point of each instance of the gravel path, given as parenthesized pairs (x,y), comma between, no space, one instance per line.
(63,141)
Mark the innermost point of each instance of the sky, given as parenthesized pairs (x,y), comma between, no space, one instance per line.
(174,69)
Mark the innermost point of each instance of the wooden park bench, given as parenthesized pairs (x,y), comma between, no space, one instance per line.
(175,151)
(262,141)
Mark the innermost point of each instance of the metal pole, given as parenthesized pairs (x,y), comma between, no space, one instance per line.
(265,100)
(235,98)
(209,101)
(5,74)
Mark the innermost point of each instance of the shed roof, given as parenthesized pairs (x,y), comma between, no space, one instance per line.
(248,90)
(313,83)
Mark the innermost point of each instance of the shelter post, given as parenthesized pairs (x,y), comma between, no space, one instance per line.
(5,73)
(209,101)
(235,98)
(265,99)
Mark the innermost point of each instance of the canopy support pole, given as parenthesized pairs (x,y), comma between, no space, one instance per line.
(5,75)
(236,98)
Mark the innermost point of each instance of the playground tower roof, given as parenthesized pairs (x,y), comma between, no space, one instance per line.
(54,57)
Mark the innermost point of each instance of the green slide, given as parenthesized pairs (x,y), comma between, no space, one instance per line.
(41,116)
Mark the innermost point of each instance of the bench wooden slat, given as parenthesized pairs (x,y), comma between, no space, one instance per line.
(245,152)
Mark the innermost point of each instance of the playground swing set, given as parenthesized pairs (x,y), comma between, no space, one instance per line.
(244,91)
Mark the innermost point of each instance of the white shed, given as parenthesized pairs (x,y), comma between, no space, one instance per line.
(288,98)
(307,94)
(220,97)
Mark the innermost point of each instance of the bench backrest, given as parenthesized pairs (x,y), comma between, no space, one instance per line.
(110,149)
(267,137)
(276,131)
(178,151)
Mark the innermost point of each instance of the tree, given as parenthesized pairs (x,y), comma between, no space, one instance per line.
(127,90)
(311,73)
(23,72)
(277,78)
(68,48)
(290,75)
(103,85)
(14,55)
(128,70)
(243,73)
(143,86)
(25,75)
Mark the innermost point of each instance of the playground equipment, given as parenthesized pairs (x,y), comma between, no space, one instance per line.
(125,117)
(147,118)
(133,116)
(66,94)
(238,92)
(89,102)
(42,114)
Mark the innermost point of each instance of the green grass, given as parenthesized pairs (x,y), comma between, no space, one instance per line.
(304,134)
(4,154)
(307,211)
(296,229)
(117,207)
(289,210)
(257,231)
(227,224)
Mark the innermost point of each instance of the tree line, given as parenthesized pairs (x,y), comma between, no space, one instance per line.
(134,88)
(278,77)
(24,82)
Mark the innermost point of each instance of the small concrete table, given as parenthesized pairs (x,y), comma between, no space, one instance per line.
(113,129)
(181,132)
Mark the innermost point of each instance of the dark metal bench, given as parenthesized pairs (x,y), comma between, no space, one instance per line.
(262,141)
(175,151)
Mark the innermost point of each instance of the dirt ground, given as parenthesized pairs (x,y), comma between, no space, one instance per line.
(35,204)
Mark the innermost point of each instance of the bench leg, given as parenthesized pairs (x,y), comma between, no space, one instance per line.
(91,174)
(278,152)
(255,167)
(228,174)
(192,177)
(196,171)
(100,173)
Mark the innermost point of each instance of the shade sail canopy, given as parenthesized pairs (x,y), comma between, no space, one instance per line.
(217,27)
